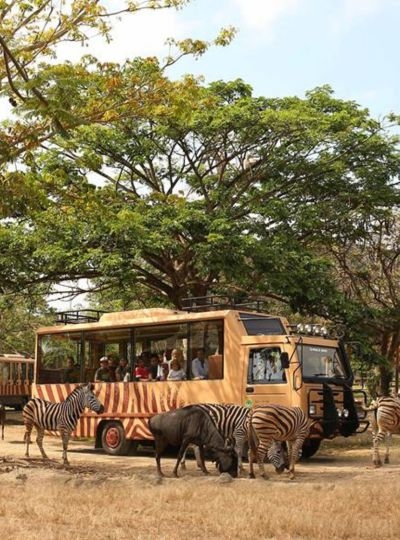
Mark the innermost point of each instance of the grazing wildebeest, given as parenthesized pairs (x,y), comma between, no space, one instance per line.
(230,420)
(2,419)
(268,427)
(62,417)
(385,421)
(187,425)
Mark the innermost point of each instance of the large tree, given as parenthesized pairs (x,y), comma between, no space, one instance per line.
(205,189)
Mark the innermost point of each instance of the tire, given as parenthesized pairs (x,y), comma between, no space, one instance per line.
(310,447)
(113,439)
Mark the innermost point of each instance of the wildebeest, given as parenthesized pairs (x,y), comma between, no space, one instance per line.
(62,417)
(268,426)
(187,425)
(2,419)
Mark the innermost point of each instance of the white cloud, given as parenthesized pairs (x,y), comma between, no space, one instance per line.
(140,34)
(263,14)
(352,12)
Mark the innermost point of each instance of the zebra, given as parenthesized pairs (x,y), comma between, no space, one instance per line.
(268,427)
(385,421)
(62,417)
(230,421)
(2,419)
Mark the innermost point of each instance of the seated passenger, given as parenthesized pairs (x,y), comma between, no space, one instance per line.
(176,372)
(71,372)
(103,373)
(141,371)
(200,365)
(122,371)
(177,354)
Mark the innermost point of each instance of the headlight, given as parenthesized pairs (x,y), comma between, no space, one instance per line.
(312,409)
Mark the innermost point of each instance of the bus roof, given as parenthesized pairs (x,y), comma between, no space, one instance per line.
(15,357)
(143,317)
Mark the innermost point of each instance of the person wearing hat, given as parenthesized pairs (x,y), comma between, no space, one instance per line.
(103,373)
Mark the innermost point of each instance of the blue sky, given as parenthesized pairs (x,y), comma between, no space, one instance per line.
(283,47)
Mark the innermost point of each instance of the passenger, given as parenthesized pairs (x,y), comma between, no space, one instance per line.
(176,372)
(155,367)
(177,354)
(112,366)
(141,371)
(122,371)
(200,365)
(103,373)
(71,373)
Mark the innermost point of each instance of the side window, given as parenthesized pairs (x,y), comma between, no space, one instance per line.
(206,352)
(265,366)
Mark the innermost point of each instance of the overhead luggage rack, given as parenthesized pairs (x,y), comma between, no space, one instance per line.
(216,302)
(79,316)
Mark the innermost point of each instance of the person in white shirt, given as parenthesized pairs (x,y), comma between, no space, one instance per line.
(200,365)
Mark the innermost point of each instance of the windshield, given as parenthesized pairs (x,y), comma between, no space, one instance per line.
(323,362)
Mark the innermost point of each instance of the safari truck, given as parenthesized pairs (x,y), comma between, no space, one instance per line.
(252,358)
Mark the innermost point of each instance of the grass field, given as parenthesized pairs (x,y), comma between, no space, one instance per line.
(336,494)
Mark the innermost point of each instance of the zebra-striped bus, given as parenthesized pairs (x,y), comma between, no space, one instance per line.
(16,375)
(248,358)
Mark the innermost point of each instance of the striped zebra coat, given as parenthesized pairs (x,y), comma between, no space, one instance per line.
(62,417)
(230,421)
(2,419)
(268,427)
(385,421)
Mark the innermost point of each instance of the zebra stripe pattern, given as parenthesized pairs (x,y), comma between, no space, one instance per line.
(268,427)
(385,421)
(2,419)
(62,417)
(230,421)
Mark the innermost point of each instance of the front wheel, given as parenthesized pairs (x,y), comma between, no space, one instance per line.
(310,447)
(113,439)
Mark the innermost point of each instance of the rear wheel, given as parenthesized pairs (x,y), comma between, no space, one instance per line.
(310,447)
(113,439)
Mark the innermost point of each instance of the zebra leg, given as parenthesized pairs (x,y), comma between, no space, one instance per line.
(199,453)
(388,445)
(65,439)
(260,454)
(376,458)
(39,440)
(294,452)
(183,461)
(251,457)
(27,437)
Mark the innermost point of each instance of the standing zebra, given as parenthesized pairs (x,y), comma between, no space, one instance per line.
(2,419)
(269,426)
(230,421)
(385,421)
(62,417)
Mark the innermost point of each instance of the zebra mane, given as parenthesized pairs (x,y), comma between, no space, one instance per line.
(76,391)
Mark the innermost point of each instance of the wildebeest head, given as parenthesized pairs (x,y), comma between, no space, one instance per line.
(278,456)
(226,460)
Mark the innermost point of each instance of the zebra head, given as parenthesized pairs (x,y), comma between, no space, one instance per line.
(91,401)
(278,456)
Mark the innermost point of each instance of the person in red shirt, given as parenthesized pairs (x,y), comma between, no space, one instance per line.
(141,371)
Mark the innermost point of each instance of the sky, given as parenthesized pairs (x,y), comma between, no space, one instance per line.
(282,48)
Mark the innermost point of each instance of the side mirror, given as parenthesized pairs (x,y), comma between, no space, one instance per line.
(285,360)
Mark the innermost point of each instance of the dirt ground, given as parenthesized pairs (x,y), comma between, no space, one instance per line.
(340,460)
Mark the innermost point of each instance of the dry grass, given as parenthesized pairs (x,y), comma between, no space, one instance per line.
(336,495)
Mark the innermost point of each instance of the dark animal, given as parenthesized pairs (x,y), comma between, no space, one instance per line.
(385,421)
(187,425)
(2,419)
(62,417)
(268,427)
(230,421)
